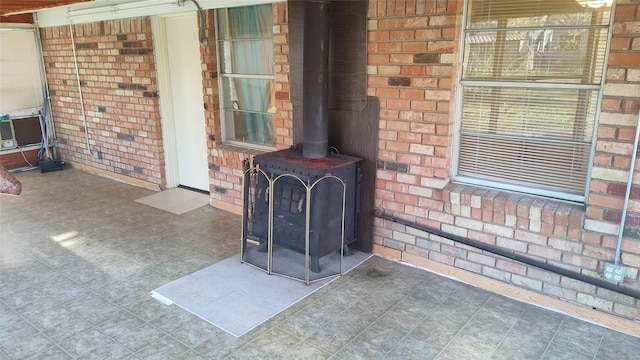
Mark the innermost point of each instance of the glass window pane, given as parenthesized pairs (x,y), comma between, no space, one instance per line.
(485,14)
(538,164)
(545,55)
(536,113)
(248,22)
(239,57)
(249,94)
(248,127)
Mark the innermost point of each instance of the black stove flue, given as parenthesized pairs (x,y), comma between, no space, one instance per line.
(315,74)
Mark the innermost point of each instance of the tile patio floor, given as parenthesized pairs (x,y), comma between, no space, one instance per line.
(78,258)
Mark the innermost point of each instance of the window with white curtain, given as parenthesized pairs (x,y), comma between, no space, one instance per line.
(245,48)
(530,88)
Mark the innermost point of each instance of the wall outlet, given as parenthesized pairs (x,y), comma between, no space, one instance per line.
(614,272)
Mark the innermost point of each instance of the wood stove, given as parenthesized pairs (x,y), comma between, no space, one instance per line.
(307,206)
(304,199)
(330,200)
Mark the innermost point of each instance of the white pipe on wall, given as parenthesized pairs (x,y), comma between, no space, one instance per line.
(634,153)
(84,116)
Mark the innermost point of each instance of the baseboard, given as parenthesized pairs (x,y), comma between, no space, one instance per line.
(222,205)
(581,312)
(114,176)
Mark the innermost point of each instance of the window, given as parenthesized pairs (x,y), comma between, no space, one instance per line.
(21,86)
(245,48)
(530,88)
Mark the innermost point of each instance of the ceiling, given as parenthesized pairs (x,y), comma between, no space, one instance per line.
(21,6)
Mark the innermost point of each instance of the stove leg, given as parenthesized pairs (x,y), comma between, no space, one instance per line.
(314,265)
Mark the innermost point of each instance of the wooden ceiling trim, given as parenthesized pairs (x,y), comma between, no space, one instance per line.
(17,19)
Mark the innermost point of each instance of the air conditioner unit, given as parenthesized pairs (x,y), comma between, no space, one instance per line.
(7,135)
(27,129)
(21,129)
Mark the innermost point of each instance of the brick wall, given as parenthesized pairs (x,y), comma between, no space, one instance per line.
(412,64)
(615,136)
(225,162)
(118,80)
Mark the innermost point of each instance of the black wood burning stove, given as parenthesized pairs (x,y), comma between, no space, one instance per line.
(304,199)
(331,181)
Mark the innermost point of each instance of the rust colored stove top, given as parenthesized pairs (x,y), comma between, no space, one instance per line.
(294,159)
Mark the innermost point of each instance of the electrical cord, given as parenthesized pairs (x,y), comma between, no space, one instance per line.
(203,39)
(24,157)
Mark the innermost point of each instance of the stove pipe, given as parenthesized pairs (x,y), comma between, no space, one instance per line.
(315,106)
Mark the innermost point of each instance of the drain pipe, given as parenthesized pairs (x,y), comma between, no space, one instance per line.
(514,256)
(84,116)
(615,272)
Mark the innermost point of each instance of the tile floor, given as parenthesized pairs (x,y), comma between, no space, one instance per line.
(78,257)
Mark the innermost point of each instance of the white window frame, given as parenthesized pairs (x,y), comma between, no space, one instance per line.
(221,94)
(475,181)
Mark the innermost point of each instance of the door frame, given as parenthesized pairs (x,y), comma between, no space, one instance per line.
(165,100)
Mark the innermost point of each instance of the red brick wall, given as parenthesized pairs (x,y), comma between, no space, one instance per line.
(118,80)
(19,159)
(618,119)
(412,64)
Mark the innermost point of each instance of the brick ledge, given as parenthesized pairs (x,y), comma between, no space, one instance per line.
(542,215)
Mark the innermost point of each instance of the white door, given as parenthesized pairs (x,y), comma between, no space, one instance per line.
(185,76)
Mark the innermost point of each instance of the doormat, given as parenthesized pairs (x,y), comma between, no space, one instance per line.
(176,200)
(238,297)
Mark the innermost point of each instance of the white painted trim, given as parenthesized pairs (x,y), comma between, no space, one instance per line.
(165,100)
(100,10)
(115,176)
(15,26)
(455,144)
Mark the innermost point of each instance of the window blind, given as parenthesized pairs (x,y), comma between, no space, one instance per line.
(531,80)
(21,84)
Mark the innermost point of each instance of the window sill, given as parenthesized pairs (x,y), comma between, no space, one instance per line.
(244,151)
(22,148)
(515,210)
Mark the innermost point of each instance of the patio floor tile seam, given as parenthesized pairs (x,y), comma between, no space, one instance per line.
(445,347)
(408,332)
